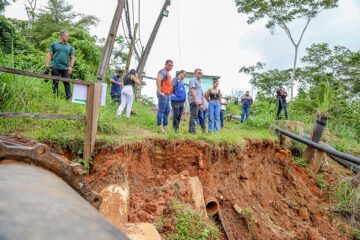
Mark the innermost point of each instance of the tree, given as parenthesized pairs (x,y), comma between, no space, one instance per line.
(119,54)
(58,15)
(281,13)
(4,3)
(339,66)
(267,82)
(30,7)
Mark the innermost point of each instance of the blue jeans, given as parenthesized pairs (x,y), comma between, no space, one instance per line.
(222,115)
(282,105)
(163,110)
(245,113)
(214,116)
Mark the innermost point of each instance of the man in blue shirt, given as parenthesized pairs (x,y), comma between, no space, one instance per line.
(61,56)
(116,86)
(246,100)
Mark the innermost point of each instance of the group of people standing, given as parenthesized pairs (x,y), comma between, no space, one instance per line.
(172,92)
(169,92)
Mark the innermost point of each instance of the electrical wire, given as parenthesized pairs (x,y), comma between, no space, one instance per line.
(178,30)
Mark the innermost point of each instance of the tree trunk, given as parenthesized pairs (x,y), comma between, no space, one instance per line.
(293,72)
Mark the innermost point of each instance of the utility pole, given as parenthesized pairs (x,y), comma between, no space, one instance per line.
(163,13)
(94,91)
(109,45)
(132,45)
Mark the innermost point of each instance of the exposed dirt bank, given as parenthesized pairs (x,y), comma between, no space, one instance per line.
(286,203)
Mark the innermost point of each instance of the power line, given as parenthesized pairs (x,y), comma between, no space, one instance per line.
(178,29)
(128,23)
(139,22)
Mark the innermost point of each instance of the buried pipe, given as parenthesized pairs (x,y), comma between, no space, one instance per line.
(37,204)
(212,206)
(318,146)
(213,209)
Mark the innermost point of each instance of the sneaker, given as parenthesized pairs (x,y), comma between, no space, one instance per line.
(165,128)
(160,129)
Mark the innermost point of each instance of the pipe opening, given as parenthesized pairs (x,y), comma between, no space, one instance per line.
(212,207)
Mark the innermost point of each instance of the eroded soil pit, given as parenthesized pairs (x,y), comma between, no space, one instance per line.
(286,202)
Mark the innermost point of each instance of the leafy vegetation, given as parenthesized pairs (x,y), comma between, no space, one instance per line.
(188,224)
(281,13)
(248,215)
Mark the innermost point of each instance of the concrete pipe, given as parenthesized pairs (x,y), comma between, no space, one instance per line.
(212,206)
(37,204)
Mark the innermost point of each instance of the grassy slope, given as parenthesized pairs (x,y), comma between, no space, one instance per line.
(23,94)
(31,95)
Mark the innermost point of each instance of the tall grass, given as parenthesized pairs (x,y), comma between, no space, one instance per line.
(348,202)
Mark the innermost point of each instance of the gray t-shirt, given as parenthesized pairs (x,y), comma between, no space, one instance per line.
(194,83)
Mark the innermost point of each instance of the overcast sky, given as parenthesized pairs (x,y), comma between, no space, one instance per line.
(211,35)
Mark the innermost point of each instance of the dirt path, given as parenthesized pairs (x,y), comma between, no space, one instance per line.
(284,199)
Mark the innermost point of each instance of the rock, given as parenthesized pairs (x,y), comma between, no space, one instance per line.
(115,203)
(198,195)
(141,231)
(313,234)
(161,201)
(304,213)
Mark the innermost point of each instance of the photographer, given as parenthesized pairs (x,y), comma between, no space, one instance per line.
(281,95)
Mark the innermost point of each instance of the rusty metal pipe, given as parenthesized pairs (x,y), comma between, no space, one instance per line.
(212,206)
(37,204)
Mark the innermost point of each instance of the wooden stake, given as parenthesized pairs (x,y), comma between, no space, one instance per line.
(92,116)
(319,158)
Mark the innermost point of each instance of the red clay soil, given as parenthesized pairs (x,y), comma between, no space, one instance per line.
(285,200)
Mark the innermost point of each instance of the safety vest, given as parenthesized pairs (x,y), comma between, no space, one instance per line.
(166,86)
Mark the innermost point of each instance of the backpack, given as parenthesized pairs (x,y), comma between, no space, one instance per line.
(178,95)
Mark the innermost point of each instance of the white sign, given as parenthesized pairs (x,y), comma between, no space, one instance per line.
(103,94)
(80,93)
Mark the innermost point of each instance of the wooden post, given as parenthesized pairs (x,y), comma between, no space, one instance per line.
(109,45)
(319,158)
(92,117)
(132,46)
(94,92)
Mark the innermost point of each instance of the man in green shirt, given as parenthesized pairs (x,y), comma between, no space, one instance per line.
(61,56)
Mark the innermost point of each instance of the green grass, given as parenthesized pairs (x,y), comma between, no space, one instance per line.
(320,181)
(25,94)
(348,206)
(301,162)
(188,224)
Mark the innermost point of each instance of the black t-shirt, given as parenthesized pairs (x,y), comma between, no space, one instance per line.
(129,81)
